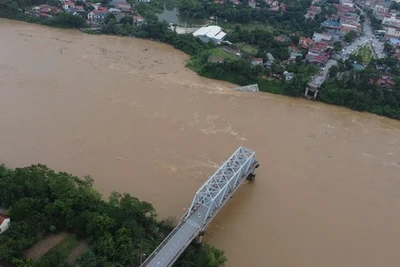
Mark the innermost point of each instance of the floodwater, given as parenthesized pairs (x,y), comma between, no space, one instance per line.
(327,192)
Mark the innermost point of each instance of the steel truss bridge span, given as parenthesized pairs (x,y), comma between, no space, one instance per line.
(208,200)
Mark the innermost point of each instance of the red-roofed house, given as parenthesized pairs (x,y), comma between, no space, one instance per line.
(305,42)
(102,9)
(256,61)
(4,223)
(138,20)
(80,8)
(312,11)
(385,83)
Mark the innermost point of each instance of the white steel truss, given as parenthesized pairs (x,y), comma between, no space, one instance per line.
(209,199)
(213,194)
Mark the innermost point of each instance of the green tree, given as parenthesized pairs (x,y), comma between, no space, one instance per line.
(87,259)
(350,36)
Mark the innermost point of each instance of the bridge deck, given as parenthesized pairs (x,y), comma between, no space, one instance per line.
(173,246)
(209,199)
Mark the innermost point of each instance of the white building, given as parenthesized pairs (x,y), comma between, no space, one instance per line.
(391,21)
(392,32)
(347,2)
(4,223)
(288,75)
(210,33)
(382,7)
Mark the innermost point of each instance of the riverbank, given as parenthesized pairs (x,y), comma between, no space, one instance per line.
(239,71)
(120,231)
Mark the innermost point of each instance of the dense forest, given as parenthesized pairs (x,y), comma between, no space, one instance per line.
(119,230)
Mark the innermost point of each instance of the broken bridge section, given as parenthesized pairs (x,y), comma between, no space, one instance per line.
(208,200)
(248,88)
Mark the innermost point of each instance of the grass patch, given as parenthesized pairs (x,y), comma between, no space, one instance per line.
(274,87)
(365,53)
(229,27)
(218,54)
(249,49)
(57,255)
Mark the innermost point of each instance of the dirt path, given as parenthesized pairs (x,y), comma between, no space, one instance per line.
(83,246)
(44,245)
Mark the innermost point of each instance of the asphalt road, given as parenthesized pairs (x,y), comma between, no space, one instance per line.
(368,37)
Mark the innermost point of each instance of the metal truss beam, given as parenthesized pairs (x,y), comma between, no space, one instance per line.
(215,191)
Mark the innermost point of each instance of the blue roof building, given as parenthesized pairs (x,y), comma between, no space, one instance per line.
(331,24)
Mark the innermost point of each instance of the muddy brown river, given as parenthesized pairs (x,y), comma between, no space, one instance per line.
(327,193)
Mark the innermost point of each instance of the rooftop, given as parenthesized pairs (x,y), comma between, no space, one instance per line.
(211,32)
(2,218)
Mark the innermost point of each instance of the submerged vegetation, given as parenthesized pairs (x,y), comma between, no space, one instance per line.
(119,230)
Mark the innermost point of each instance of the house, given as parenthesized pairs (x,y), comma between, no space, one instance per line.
(122,5)
(210,34)
(114,10)
(256,61)
(310,14)
(97,15)
(386,83)
(382,7)
(318,53)
(305,42)
(270,57)
(138,20)
(252,3)
(347,2)
(386,76)
(318,37)
(275,6)
(294,55)
(77,10)
(331,24)
(288,75)
(312,11)
(392,32)
(282,38)
(270,60)
(381,10)
(68,5)
(394,42)
(392,21)
(80,8)
(4,223)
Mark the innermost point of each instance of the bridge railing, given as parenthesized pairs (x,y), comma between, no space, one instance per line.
(164,242)
(222,183)
(210,197)
(214,212)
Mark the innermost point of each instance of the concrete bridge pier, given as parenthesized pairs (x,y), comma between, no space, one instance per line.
(199,238)
(252,176)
